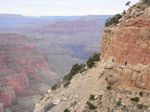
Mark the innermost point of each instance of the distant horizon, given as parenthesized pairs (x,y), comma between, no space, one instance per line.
(38,8)
(5,14)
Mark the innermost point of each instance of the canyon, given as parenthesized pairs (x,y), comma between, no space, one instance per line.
(60,38)
(119,82)
(36,53)
(23,72)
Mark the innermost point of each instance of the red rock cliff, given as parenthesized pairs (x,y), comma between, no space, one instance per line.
(22,70)
(129,41)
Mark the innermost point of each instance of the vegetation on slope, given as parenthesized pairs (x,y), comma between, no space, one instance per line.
(92,60)
(113,20)
(78,68)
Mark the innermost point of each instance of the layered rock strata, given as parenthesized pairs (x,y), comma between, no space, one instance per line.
(23,71)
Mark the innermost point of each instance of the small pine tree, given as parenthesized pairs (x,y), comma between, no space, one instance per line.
(79,68)
(128,3)
(113,20)
(54,87)
(76,68)
(91,61)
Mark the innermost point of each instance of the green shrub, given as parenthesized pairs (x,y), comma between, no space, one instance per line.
(54,87)
(141,93)
(91,106)
(113,20)
(140,106)
(119,102)
(109,87)
(91,61)
(91,97)
(66,83)
(82,68)
(128,3)
(76,68)
(66,110)
(79,68)
(135,99)
(68,77)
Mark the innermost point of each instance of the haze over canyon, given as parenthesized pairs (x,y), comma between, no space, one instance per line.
(36,52)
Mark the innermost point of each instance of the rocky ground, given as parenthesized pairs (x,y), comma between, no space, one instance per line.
(120,80)
(99,89)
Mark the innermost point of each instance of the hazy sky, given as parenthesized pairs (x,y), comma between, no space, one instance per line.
(62,7)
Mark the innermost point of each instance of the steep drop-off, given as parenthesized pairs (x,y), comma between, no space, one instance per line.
(64,40)
(120,80)
(129,41)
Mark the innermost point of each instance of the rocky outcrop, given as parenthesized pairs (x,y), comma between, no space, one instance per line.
(120,81)
(23,71)
(145,1)
(102,89)
(128,41)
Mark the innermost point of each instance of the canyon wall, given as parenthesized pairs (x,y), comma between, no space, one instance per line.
(120,81)
(129,41)
(23,72)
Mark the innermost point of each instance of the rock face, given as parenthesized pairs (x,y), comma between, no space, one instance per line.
(146,1)
(23,72)
(120,81)
(102,89)
(129,41)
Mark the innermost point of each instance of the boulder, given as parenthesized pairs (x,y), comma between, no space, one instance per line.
(110,64)
(56,101)
(111,78)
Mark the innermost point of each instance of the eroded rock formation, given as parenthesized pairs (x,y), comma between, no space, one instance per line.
(120,81)
(129,41)
(23,72)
